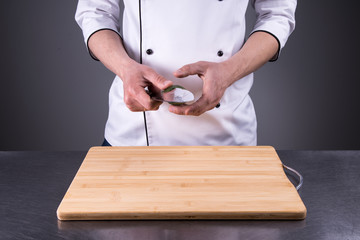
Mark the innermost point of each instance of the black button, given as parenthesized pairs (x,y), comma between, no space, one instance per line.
(217,105)
(220,53)
(149,51)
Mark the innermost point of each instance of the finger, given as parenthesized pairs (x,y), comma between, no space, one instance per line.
(190,69)
(196,109)
(133,105)
(145,100)
(157,80)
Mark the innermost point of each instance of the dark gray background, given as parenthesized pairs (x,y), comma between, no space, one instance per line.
(54,96)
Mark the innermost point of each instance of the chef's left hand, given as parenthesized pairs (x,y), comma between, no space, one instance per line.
(216,79)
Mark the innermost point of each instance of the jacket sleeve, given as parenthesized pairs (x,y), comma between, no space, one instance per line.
(96,15)
(276,17)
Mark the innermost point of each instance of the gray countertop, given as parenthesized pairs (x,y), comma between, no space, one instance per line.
(32,184)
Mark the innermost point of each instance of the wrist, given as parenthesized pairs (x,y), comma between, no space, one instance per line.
(124,67)
(235,68)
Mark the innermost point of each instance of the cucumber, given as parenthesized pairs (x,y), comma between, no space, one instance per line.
(172,88)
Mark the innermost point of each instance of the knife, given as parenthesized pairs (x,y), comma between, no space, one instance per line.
(175,95)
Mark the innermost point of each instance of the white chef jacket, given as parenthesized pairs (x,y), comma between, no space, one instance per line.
(167,34)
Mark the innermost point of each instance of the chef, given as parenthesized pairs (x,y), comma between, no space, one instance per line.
(198,44)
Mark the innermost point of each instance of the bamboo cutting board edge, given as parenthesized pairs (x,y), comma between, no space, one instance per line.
(298,213)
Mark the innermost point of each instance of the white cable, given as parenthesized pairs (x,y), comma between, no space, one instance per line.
(301,179)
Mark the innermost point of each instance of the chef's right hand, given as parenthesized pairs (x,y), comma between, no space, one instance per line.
(107,46)
(135,78)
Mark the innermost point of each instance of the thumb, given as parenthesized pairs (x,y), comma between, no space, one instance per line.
(158,80)
(190,69)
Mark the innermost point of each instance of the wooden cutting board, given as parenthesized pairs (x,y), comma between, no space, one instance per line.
(207,182)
